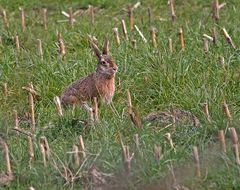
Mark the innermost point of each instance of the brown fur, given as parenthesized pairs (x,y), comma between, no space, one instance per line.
(100,84)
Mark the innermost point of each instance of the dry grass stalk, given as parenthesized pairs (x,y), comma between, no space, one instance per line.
(57,102)
(19,130)
(116,36)
(124,30)
(39,47)
(134,118)
(228,38)
(45,150)
(169,138)
(181,39)
(127,158)
(222,5)
(153,36)
(45,18)
(226,110)
(76,156)
(5,89)
(141,34)
(222,141)
(91,9)
(170,44)
(172,10)
(17,43)
(30,148)
(196,161)
(134,43)
(206,111)
(82,146)
(214,35)
(130,16)
(5,19)
(22,15)
(234,139)
(157,152)
(95,110)
(32,112)
(70,16)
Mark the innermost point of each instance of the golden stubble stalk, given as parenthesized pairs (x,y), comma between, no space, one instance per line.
(91,9)
(172,10)
(134,43)
(16,121)
(234,139)
(169,139)
(40,49)
(205,45)
(45,18)
(6,157)
(31,109)
(45,150)
(116,36)
(205,110)
(30,148)
(226,110)
(153,36)
(82,146)
(70,13)
(221,138)
(57,102)
(215,10)
(61,45)
(126,158)
(22,16)
(196,161)
(157,152)
(214,35)
(124,30)
(5,19)
(5,89)
(170,44)
(130,16)
(228,38)
(17,43)
(181,39)
(76,158)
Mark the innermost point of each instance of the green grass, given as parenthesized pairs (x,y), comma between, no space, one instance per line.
(184,79)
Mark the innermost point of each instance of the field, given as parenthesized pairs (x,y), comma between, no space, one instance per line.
(158,80)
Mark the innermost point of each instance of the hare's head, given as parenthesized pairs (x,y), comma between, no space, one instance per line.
(106,65)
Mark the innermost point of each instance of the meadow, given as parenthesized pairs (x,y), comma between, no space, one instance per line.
(158,80)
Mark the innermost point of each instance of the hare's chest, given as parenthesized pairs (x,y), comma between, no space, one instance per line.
(106,91)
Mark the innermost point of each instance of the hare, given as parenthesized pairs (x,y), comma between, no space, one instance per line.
(100,84)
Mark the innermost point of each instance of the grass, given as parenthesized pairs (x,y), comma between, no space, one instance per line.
(184,79)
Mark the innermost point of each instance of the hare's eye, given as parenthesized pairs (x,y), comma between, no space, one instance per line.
(104,62)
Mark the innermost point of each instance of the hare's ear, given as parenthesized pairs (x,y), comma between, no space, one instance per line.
(105,47)
(95,49)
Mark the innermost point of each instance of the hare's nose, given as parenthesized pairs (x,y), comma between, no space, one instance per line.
(115,69)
